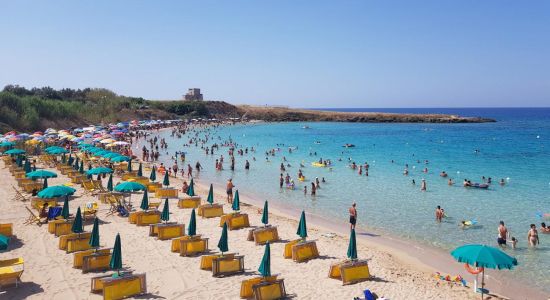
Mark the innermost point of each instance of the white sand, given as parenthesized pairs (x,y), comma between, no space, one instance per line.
(49,273)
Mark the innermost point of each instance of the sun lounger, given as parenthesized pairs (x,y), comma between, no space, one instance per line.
(288,248)
(60,227)
(189,202)
(6,229)
(163,193)
(235,221)
(304,251)
(97,261)
(76,242)
(206,260)
(18,196)
(32,219)
(246,285)
(154,205)
(38,203)
(350,271)
(269,290)
(144,218)
(167,231)
(120,287)
(226,266)
(32,186)
(90,211)
(210,210)
(189,246)
(263,235)
(11,271)
(153,186)
(89,187)
(78,257)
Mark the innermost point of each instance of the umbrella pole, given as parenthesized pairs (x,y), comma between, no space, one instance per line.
(482,282)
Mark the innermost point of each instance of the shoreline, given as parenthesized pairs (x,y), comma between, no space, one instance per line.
(421,257)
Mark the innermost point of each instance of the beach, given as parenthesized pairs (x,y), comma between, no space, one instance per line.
(49,273)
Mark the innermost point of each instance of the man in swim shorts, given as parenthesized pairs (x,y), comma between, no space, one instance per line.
(352,216)
(502,234)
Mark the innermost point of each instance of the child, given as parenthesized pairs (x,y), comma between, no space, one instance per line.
(514,242)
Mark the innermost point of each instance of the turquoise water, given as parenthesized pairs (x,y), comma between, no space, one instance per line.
(516,148)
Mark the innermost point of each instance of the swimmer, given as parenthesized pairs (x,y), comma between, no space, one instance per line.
(450,181)
(443,174)
(533,236)
(423,185)
(502,182)
(514,242)
(543,228)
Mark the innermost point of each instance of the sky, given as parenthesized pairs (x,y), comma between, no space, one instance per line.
(319,53)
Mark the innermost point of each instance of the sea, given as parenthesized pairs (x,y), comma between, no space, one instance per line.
(515,149)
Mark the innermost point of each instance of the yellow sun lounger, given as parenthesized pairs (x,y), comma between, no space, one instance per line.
(78,258)
(269,290)
(32,219)
(206,260)
(288,248)
(60,227)
(235,221)
(189,246)
(166,193)
(210,210)
(350,271)
(38,203)
(189,202)
(153,186)
(6,229)
(11,271)
(246,285)
(263,235)
(167,231)
(97,261)
(144,218)
(226,266)
(78,241)
(304,251)
(121,287)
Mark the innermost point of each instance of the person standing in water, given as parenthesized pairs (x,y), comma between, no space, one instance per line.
(502,234)
(533,236)
(438,214)
(423,185)
(352,216)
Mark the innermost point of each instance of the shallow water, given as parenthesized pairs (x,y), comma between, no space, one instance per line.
(516,148)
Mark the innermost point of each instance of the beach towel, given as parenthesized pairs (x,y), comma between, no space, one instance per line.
(122,211)
(369,295)
(54,212)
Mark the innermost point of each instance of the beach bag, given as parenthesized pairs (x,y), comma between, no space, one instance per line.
(369,295)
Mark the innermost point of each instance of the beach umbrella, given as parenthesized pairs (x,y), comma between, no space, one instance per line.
(45,183)
(19,161)
(58,151)
(144,201)
(41,174)
(63,159)
(166,180)
(482,256)
(109,155)
(265,214)
(165,215)
(191,189)
(110,183)
(352,247)
(129,186)
(265,265)
(70,160)
(56,191)
(222,243)
(116,257)
(130,166)
(302,228)
(153,175)
(210,198)
(99,170)
(7,144)
(94,238)
(65,209)
(192,229)
(15,152)
(81,168)
(77,223)
(120,159)
(236,206)
(27,166)
(76,163)
(140,170)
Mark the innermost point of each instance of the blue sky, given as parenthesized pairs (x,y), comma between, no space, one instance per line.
(296,53)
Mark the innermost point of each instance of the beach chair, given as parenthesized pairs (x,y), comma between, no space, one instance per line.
(226,266)
(119,287)
(144,218)
(18,196)
(246,285)
(60,227)
(89,188)
(190,246)
(269,290)
(32,219)
(163,193)
(189,202)
(153,186)
(38,203)
(262,235)
(154,205)
(304,251)
(210,210)
(235,221)
(206,260)
(97,261)
(167,231)
(288,248)
(6,229)
(350,271)
(78,257)
(11,271)
(90,211)
(74,242)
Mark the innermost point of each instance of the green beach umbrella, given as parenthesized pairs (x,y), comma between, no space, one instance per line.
(129,186)
(81,168)
(65,209)
(76,163)
(352,247)
(265,214)
(153,175)
(56,191)
(302,228)
(165,215)
(7,144)
(192,229)
(482,256)
(222,244)
(120,158)
(210,198)
(58,151)
(140,170)
(70,160)
(77,223)
(99,170)
(41,174)
(236,206)
(63,159)
(265,265)
(45,184)
(116,257)
(130,166)
(94,238)
(27,166)
(166,180)
(110,183)
(191,189)
(144,201)
(107,154)
(15,151)
(19,161)
(89,166)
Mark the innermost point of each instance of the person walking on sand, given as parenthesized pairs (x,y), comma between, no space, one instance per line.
(229,189)
(352,216)
(502,234)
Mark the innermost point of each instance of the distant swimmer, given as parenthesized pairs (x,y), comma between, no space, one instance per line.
(543,228)
(443,174)
(423,185)
(450,181)
(502,182)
